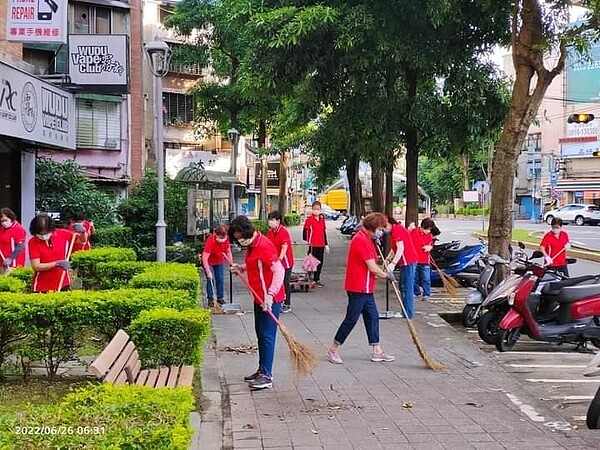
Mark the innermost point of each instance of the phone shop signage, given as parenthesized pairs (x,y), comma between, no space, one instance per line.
(99,61)
(37,21)
(34,110)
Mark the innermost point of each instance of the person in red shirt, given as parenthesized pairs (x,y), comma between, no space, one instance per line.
(315,234)
(49,251)
(361,271)
(554,246)
(12,240)
(423,243)
(82,226)
(280,236)
(216,249)
(265,276)
(404,256)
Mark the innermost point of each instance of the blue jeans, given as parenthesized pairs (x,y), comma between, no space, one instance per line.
(407,286)
(359,303)
(266,333)
(423,279)
(218,278)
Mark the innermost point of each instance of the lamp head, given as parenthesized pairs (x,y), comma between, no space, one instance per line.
(159,56)
(233,135)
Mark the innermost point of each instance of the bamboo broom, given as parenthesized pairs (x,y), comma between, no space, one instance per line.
(450,284)
(430,361)
(64,272)
(302,358)
(216,309)
(4,271)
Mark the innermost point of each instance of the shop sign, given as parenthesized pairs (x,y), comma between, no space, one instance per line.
(34,110)
(272,175)
(37,21)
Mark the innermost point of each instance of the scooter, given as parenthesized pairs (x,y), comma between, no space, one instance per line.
(592,418)
(349,225)
(576,320)
(438,249)
(461,264)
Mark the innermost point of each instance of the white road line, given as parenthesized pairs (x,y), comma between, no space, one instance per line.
(550,380)
(580,418)
(549,353)
(569,397)
(547,366)
(526,409)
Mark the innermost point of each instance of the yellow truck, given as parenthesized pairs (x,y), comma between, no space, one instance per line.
(336,199)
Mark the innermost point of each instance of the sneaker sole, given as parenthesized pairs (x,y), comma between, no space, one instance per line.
(332,361)
(261,387)
(382,360)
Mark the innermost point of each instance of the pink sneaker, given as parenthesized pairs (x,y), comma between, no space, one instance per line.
(382,357)
(334,357)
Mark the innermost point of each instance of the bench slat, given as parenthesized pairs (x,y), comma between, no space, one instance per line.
(117,367)
(121,378)
(142,377)
(186,376)
(173,374)
(103,362)
(152,376)
(133,366)
(162,377)
(136,367)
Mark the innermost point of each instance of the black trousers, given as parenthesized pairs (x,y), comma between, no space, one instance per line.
(319,253)
(287,286)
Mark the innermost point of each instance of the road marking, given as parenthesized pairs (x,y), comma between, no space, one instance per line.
(525,409)
(547,366)
(578,243)
(580,418)
(535,353)
(570,397)
(550,380)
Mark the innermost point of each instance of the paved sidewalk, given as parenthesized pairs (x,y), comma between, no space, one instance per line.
(366,405)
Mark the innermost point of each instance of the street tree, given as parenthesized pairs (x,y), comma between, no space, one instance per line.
(541,36)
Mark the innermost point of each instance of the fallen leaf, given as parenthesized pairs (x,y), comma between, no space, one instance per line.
(476,405)
(331,417)
(408,405)
(248,426)
(314,431)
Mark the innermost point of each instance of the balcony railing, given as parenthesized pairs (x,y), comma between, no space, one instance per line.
(188,69)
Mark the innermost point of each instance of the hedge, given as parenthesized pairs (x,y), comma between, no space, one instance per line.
(105,416)
(184,333)
(169,276)
(116,236)
(25,274)
(292,219)
(260,225)
(85,262)
(114,274)
(13,284)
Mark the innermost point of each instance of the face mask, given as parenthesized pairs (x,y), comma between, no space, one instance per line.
(556,230)
(7,223)
(43,237)
(244,242)
(316,212)
(272,223)
(221,240)
(379,234)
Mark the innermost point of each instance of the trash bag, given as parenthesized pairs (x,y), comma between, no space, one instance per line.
(310,263)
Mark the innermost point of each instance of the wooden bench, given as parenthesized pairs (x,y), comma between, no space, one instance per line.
(119,363)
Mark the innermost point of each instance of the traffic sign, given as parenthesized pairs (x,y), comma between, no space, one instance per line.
(482,187)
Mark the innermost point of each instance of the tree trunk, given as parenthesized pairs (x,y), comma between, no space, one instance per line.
(376,185)
(389,192)
(464,165)
(412,155)
(355,186)
(283,171)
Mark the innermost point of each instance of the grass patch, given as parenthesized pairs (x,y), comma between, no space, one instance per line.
(16,394)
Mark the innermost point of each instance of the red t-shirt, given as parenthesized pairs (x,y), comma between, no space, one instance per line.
(400,233)
(314,230)
(280,236)
(260,256)
(216,249)
(77,246)
(553,244)
(420,240)
(9,238)
(55,249)
(358,277)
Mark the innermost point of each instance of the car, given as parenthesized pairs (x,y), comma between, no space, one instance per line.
(577,213)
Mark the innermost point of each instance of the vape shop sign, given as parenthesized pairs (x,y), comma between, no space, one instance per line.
(34,110)
(99,61)
(37,20)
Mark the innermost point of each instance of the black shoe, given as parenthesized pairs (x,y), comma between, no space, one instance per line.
(220,301)
(211,304)
(286,309)
(252,377)
(262,382)
(320,284)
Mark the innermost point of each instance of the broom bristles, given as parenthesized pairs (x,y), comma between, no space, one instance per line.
(217,308)
(431,363)
(302,359)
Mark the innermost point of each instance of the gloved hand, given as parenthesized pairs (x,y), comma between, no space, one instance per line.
(209,274)
(390,267)
(64,264)
(79,228)
(327,249)
(427,248)
(267,304)
(7,262)
(548,260)
(237,268)
(390,274)
(567,246)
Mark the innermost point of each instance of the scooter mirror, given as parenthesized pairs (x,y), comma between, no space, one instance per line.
(537,254)
(571,260)
(521,245)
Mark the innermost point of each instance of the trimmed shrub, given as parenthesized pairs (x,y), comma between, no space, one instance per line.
(116,236)
(85,262)
(106,417)
(260,225)
(293,219)
(166,337)
(115,274)
(169,276)
(12,327)
(8,284)
(25,274)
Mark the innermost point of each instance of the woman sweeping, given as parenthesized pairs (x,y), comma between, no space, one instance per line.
(361,271)
(216,249)
(280,236)
(265,276)
(554,246)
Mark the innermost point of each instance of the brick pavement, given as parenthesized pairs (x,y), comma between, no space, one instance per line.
(366,405)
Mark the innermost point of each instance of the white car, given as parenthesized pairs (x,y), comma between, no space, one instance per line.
(577,213)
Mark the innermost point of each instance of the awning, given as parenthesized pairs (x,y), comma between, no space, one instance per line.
(195,173)
(578,185)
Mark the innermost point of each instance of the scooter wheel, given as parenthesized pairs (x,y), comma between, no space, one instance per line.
(468,316)
(506,339)
(487,326)
(595,342)
(592,419)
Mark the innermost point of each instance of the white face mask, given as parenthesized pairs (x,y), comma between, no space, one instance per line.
(245,242)
(221,240)
(556,230)
(272,223)
(316,212)
(7,223)
(43,237)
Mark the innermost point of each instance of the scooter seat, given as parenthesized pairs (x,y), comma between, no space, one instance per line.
(573,293)
(554,287)
(450,255)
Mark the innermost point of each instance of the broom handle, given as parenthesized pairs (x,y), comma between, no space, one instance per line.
(252,291)
(64,272)
(395,286)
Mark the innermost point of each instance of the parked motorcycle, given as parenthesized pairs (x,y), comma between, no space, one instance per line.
(567,311)
(349,225)
(461,264)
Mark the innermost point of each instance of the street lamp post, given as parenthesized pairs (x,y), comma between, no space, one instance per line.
(159,57)
(234,138)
